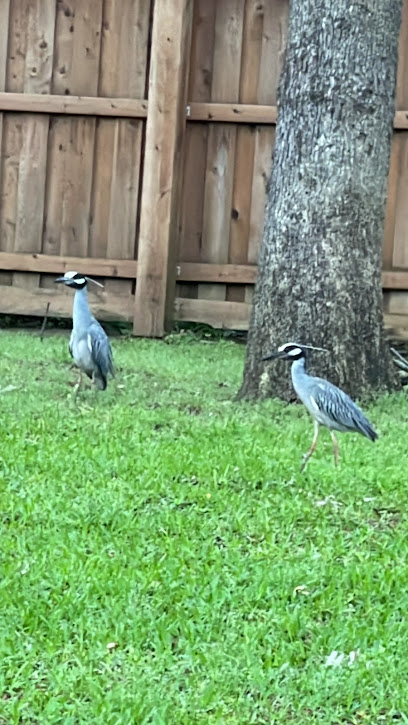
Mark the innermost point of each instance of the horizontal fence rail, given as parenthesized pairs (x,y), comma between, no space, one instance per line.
(138,108)
(184,271)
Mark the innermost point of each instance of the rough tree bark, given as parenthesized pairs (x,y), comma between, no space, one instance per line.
(320,263)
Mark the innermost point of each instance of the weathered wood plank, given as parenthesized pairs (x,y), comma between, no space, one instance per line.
(4,38)
(83,74)
(13,125)
(19,301)
(138,108)
(73,105)
(236,315)
(221,273)
(185,271)
(124,189)
(77,186)
(275,24)
(54,264)
(241,204)
(400,247)
(232,113)
(33,159)
(402,70)
(79,52)
(217,202)
(192,205)
(217,313)
(219,180)
(101,188)
(11,149)
(252,39)
(395,279)
(264,141)
(396,326)
(123,71)
(165,130)
(124,53)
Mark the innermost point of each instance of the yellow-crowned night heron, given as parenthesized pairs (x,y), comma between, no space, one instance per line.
(327,404)
(89,344)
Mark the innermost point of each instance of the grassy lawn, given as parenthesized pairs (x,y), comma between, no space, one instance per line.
(164,562)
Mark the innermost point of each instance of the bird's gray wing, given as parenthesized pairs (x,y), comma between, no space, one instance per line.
(101,350)
(339,408)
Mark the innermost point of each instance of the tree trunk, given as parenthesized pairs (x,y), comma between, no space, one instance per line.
(320,264)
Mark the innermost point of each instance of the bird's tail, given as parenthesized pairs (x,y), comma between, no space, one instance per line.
(365,427)
(100,380)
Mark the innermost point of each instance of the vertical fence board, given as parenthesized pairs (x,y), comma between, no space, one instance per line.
(58,149)
(72,139)
(264,141)
(124,189)
(101,191)
(63,50)
(221,142)
(402,71)
(245,148)
(217,203)
(12,125)
(241,205)
(76,202)
(275,24)
(33,160)
(395,250)
(83,74)
(125,33)
(161,191)
(4,39)
(192,204)
(12,143)
(400,249)
(123,74)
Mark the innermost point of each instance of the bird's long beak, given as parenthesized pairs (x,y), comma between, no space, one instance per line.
(60,279)
(278,354)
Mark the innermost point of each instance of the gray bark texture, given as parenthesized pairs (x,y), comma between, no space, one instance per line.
(320,263)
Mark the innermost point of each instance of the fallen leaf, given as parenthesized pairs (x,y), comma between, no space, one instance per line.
(111,646)
(301,589)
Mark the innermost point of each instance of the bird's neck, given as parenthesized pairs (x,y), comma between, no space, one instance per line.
(298,369)
(81,313)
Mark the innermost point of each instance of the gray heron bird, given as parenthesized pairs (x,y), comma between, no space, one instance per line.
(89,344)
(328,405)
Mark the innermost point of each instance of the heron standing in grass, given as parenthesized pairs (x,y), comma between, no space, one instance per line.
(327,404)
(89,344)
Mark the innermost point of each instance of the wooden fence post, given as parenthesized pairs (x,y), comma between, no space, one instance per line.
(161,190)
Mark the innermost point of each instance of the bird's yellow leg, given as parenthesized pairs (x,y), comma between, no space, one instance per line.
(335,447)
(78,385)
(312,447)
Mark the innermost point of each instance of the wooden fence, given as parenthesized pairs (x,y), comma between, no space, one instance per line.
(136,141)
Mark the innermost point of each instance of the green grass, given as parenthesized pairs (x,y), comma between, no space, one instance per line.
(154,539)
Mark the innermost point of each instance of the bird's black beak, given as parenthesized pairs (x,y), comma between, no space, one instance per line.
(60,279)
(274,356)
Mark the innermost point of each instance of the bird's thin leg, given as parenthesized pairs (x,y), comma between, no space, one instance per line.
(312,447)
(335,448)
(78,385)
